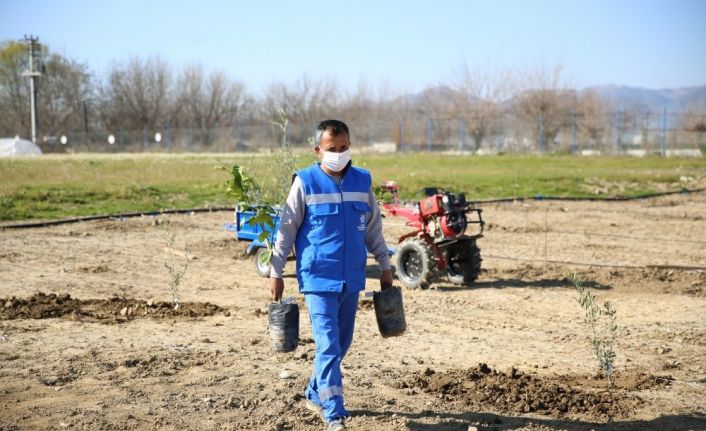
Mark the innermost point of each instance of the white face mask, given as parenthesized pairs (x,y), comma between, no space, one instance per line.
(336,161)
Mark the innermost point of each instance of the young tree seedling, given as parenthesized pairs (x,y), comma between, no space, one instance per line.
(603,328)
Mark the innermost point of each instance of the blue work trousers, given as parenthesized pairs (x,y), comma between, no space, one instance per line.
(332,321)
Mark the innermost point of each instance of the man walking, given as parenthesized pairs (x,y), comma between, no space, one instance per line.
(331,217)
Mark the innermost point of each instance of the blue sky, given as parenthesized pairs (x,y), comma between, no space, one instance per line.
(407,44)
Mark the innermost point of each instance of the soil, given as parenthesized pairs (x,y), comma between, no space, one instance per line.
(90,338)
(114,310)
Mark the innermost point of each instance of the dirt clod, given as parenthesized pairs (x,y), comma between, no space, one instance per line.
(113,310)
(517,392)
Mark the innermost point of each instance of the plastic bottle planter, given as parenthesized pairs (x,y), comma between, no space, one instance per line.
(284,326)
(389,312)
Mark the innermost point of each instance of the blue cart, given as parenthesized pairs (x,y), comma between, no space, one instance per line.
(246,232)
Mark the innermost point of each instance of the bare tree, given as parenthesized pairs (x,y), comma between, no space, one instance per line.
(477,98)
(358,108)
(406,119)
(385,111)
(632,122)
(62,89)
(433,107)
(305,103)
(207,103)
(692,126)
(592,117)
(136,94)
(544,104)
(376,112)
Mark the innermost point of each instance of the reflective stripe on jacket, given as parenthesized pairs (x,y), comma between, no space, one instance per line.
(330,244)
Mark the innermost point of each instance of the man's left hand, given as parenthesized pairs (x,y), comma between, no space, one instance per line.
(386,278)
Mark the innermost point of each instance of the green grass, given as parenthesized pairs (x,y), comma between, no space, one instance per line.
(52,187)
(517,175)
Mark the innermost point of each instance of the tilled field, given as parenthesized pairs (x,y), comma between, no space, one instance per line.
(89,338)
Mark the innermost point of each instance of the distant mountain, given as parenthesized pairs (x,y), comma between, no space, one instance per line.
(674,99)
(438,93)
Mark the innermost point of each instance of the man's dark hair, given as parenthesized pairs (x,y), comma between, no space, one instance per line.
(334,127)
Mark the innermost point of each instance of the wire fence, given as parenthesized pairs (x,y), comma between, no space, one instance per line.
(616,133)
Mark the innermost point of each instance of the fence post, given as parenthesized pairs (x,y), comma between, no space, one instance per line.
(121,139)
(97,139)
(645,130)
(73,140)
(144,140)
(235,135)
(166,136)
(664,133)
(241,133)
(430,134)
(541,133)
(401,139)
(190,144)
(573,131)
(463,136)
(618,141)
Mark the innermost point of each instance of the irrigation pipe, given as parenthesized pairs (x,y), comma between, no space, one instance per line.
(199,210)
(601,265)
(113,216)
(589,199)
(604,235)
(615,236)
(639,238)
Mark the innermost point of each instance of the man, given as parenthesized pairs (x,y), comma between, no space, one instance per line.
(331,217)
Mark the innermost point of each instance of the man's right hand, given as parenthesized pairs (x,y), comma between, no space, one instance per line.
(276,288)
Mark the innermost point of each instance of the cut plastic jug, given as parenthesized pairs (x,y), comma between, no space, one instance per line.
(389,312)
(283,319)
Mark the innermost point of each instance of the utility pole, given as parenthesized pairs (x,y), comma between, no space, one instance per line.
(34,72)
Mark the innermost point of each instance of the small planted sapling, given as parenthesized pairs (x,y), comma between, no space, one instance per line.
(602,325)
(261,197)
(244,189)
(176,271)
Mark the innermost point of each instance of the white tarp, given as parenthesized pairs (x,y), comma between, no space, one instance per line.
(10,147)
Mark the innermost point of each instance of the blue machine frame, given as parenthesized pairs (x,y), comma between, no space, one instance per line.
(244,231)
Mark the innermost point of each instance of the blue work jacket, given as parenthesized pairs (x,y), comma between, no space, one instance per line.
(330,243)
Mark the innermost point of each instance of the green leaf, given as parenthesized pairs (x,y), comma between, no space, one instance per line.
(262,218)
(265,257)
(263,236)
(379,192)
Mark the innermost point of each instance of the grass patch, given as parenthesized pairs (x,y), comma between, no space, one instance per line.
(54,186)
(517,175)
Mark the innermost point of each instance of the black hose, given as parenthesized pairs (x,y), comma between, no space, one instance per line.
(540,197)
(113,216)
(200,210)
